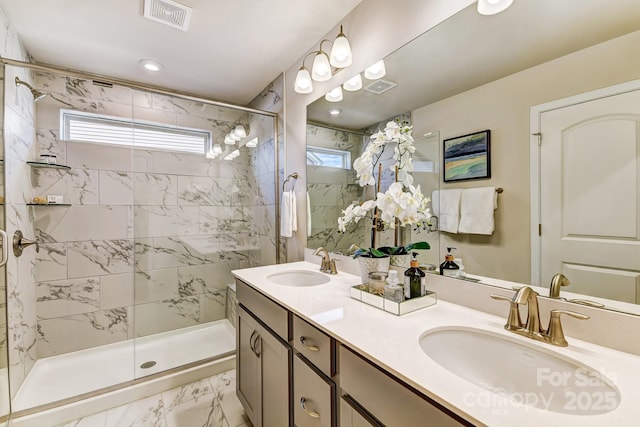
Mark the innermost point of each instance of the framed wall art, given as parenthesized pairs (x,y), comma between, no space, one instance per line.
(467,157)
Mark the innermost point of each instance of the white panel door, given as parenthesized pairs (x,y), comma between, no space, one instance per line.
(590,196)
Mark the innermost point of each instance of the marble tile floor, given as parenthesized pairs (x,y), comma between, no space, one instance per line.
(210,402)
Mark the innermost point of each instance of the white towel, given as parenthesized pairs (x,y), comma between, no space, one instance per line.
(288,219)
(476,210)
(308,215)
(448,202)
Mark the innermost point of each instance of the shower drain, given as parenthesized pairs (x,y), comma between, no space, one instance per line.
(149,364)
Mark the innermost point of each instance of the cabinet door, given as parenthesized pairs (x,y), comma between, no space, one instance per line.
(276,362)
(248,366)
(351,416)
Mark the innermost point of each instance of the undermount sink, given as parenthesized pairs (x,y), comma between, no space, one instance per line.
(520,373)
(299,278)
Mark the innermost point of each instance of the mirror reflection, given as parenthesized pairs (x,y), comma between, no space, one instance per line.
(473,73)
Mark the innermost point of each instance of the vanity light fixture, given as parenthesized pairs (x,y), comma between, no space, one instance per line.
(335,95)
(353,84)
(151,65)
(217,149)
(229,140)
(321,70)
(252,143)
(376,71)
(341,56)
(491,7)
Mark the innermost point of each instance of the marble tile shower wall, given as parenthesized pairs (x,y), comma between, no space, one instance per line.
(18,141)
(151,236)
(19,136)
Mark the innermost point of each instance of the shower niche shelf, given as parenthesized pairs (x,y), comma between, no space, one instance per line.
(48,204)
(48,165)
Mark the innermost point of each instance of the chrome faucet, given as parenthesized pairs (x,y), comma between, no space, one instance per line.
(532,327)
(327,265)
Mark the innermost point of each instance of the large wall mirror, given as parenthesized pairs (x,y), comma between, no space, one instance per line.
(473,73)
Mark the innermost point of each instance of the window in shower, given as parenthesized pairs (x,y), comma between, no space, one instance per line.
(89,127)
(328,157)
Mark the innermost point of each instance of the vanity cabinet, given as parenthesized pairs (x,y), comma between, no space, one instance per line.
(263,365)
(386,399)
(290,373)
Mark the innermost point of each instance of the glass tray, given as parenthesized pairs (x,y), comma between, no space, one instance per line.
(362,293)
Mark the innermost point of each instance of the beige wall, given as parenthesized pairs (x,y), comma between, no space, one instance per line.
(504,106)
(375,28)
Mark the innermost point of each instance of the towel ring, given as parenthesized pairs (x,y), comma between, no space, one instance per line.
(293,176)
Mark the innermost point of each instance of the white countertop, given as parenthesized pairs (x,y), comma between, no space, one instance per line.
(392,342)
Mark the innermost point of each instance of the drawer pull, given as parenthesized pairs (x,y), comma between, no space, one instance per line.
(312,414)
(307,346)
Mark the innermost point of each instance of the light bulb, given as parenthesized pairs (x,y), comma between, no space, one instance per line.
(321,70)
(335,95)
(353,84)
(228,140)
(376,71)
(239,132)
(252,143)
(217,148)
(303,81)
(341,51)
(491,7)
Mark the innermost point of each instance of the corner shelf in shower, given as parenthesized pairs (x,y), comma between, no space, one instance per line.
(48,165)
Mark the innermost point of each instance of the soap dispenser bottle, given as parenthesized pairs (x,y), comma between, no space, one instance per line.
(414,279)
(449,268)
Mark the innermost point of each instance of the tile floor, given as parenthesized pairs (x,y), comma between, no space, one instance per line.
(210,402)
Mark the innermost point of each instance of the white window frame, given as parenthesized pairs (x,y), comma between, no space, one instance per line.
(344,154)
(151,135)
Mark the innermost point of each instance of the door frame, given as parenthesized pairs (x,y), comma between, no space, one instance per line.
(534,157)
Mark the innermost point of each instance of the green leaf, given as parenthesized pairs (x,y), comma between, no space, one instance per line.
(417,245)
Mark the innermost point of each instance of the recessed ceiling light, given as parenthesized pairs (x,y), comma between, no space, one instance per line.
(335,111)
(150,65)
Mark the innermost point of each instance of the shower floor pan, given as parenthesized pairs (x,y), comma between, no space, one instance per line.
(71,374)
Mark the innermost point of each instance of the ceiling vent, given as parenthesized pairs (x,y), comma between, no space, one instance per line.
(168,12)
(380,86)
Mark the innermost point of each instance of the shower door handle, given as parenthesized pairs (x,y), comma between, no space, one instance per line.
(5,248)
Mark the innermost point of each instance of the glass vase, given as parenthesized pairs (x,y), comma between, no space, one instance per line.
(367,265)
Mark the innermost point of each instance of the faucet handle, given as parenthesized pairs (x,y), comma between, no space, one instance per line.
(332,266)
(555,333)
(514,322)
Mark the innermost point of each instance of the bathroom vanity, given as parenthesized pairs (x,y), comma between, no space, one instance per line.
(309,355)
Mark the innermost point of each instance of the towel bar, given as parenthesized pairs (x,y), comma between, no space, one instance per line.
(284,184)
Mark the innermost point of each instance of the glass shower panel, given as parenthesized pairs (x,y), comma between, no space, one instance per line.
(4,370)
(197,216)
(70,316)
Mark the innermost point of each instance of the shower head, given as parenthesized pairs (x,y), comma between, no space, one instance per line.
(37,95)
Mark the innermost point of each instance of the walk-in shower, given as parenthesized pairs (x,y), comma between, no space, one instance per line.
(139,220)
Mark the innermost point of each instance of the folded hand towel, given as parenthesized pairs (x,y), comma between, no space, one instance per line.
(449,208)
(476,210)
(288,220)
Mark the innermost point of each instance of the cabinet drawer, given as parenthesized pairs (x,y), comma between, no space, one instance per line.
(269,312)
(313,397)
(388,400)
(315,345)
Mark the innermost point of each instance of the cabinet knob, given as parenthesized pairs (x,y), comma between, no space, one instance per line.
(307,346)
(312,414)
